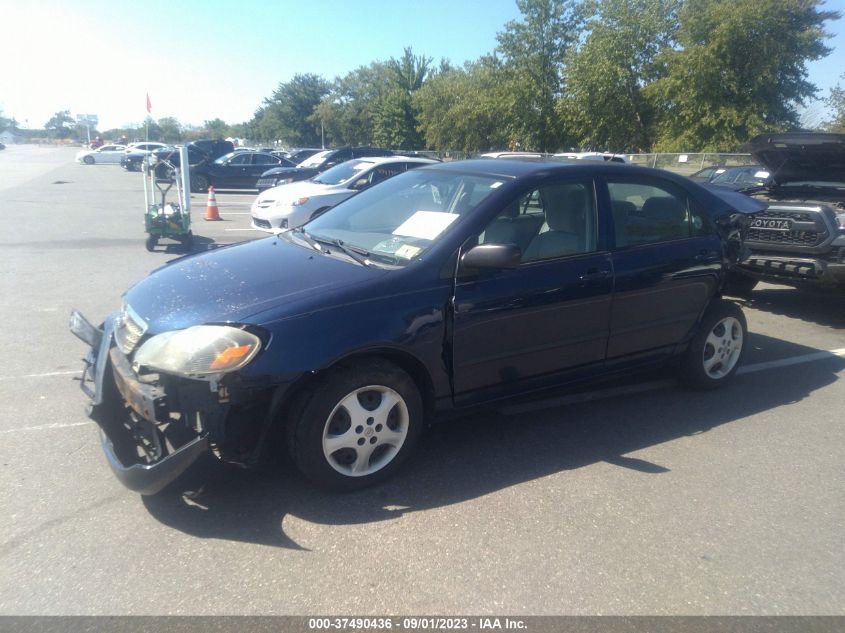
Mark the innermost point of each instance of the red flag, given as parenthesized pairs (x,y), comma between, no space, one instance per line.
(149,105)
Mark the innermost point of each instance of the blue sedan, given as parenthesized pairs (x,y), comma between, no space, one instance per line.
(446,287)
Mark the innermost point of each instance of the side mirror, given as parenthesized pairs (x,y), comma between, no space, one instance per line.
(360,184)
(495,256)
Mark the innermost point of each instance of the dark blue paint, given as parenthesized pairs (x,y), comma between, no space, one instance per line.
(477,337)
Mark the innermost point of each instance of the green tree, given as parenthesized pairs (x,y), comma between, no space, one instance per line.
(151,130)
(216,128)
(171,130)
(7,123)
(347,112)
(465,109)
(289,111)
(60,124)
(604,105)
(534,51)
(395,119)
(836,102)
(739,70)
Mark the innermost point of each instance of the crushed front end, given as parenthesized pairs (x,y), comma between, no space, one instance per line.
(154,425)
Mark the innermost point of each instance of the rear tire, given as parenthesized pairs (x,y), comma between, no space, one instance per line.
(199,184)
(354,426)
(152,240)
(715,351)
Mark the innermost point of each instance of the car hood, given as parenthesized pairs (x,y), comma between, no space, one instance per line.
(269,276)
(795,157)
(294,191)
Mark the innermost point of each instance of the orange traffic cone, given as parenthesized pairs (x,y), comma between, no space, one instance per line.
(211,212)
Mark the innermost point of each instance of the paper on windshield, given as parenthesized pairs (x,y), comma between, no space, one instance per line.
(425,225)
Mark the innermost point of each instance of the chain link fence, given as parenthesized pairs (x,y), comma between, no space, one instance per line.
(688,163)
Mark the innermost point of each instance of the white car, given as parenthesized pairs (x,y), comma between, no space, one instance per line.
(514,155)
(143,146)
(292,205)
(602,156)
(104,154)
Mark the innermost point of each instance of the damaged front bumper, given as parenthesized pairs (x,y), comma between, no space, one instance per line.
(134,416)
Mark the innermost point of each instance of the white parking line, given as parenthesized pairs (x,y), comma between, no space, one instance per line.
(46,427)
(598,394)
(613,392)
(795,360)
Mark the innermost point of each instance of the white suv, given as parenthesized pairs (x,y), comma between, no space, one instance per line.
(292,205)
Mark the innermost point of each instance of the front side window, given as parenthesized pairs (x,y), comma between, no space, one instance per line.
(241,158)
(402,218)
(648,212)
(555,220)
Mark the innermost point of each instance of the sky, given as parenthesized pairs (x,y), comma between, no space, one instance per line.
(206,59)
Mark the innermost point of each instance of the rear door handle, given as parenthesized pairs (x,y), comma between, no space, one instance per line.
(594,273)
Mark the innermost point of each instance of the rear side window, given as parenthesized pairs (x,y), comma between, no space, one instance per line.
(646,212)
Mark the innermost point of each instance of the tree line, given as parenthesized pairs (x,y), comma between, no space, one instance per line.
(617,75)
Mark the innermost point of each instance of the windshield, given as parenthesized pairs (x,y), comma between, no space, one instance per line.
(343,172)
(315,160)
(755,176)
(403,217)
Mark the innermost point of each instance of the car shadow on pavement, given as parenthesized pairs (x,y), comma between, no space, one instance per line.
(821,306)
(173,247)
(482,453)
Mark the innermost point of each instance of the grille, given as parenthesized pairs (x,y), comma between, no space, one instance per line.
(795,237)
(128,330)
(266,182)
(264,224)
(798,216)
(799,238)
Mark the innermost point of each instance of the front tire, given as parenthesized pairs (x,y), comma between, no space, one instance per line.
(151,242)
(355,426)
(716,350)
(88,160)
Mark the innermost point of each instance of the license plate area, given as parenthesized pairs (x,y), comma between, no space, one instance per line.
(147,401)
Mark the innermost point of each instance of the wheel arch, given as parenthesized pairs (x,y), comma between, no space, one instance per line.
(413,366)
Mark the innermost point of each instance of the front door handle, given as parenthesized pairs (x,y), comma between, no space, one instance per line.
(595,273)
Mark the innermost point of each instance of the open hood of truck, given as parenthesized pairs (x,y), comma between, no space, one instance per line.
(800,156)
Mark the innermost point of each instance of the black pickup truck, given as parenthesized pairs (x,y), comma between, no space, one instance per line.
(800,239)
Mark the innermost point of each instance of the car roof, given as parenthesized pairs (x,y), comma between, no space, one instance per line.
(517,168)
(378,160)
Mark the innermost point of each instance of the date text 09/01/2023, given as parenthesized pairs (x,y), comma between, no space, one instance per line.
(416,623)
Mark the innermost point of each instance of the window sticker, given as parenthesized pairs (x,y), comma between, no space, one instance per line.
(407,251)
(425,225)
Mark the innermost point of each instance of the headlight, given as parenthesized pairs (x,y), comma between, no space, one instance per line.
(201,350)
(284,181)
(840,220)
(296,203)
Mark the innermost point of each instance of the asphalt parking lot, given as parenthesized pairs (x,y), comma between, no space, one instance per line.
(633,498)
